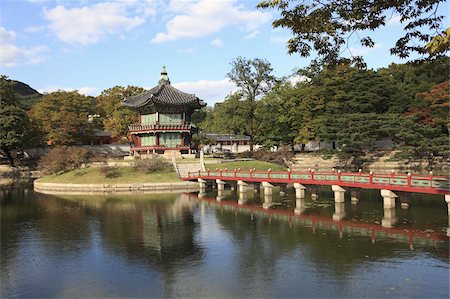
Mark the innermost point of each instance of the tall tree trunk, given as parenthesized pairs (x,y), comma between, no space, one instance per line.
(252,116)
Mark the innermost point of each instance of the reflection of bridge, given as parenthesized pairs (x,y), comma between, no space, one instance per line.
(323,222)
(387,183)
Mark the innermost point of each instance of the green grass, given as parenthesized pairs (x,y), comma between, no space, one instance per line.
(93,175)
(247,165)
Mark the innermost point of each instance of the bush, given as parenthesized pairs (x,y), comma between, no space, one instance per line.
(151,165)
(62,159)
(110,172)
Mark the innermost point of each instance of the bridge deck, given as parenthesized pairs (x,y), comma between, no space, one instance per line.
(396,182)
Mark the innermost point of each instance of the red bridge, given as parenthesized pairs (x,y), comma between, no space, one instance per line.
(431,184)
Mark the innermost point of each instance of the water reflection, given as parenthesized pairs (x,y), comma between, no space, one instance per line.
(192,245)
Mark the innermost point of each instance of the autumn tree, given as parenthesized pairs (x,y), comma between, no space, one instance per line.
(116,118)
(62,116)
(327,27)
(254,78)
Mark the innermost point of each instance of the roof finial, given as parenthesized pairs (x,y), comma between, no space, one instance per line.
(164,79)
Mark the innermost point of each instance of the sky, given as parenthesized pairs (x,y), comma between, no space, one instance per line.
(91,46)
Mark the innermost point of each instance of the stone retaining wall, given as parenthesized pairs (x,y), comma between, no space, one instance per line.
(56,188)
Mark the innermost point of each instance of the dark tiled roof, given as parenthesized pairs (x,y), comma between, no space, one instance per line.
(164,94)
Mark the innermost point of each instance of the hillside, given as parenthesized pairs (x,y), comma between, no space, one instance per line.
(26,95)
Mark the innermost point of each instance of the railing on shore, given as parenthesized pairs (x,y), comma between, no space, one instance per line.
(399,182)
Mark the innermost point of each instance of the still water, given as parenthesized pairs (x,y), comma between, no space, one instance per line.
(180,245)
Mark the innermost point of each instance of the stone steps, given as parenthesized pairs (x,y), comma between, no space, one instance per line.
(184,169)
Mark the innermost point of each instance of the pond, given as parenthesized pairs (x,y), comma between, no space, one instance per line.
(180,245)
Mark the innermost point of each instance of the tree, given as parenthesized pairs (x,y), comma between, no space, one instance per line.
(116,117)
(278,116)
(326,26)
(16,131)
(63,117)
(229,117)
(254,78)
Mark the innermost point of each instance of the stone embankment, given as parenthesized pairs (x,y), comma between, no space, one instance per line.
(59,188)
(382,161)
(17,175)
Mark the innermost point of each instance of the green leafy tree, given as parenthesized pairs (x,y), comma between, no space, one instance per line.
(63,117)
(116,117)
(254,78)
(279,117)
(229,117)
(16,131)
(328,26)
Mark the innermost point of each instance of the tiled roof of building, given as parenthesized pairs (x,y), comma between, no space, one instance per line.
(164,94)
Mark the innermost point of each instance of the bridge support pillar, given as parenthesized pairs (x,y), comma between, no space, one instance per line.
(268,188)
(220,196)
(242,198)
(202,186)
(389,217)
(299,190)
(447,200)
(339,210)
(388,198)
(339,193)
(267,201)
(220,185)
(299,206)
(242,186)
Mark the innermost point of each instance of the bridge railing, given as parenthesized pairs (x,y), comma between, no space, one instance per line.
(335,177)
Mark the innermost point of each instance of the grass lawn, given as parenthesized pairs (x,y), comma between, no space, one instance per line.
(93,175)
(247,165)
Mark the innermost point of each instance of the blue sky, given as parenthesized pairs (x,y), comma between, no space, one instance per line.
(94,45)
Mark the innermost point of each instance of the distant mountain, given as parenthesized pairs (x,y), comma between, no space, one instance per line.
(23,89)
(27,96)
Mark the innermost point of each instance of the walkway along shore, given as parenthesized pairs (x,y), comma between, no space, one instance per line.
(95,189)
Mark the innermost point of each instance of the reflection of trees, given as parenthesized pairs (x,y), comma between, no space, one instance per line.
(156,233)
(37,227)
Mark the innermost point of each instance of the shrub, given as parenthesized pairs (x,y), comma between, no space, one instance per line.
(151,165)
(62,159)
(110,172)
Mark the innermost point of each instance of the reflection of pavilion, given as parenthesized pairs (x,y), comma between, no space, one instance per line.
(334,224)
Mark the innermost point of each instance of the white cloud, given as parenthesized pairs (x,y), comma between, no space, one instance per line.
(202,18)
(298,78)
(217,43)
(86,90)
(279,39)
(360,51)
(90,24)
(6,36)
(252,35)
(187,50)
(34,29)
(394,20)
(209,91)
(12,55)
